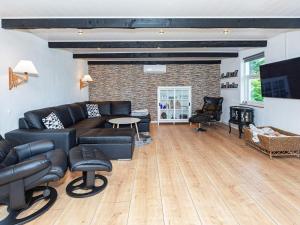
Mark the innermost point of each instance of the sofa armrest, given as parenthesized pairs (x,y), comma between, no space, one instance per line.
(22,170)
(28,150)
(62,138)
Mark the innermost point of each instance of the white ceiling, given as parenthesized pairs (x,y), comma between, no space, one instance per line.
(153,8)
(153,34)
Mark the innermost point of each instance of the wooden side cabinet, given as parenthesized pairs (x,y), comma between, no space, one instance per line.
(242,116)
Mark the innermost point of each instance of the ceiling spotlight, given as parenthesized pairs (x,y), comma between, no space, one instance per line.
(80,32)
(161,32)
(98,49)
(158,47)
(226,31)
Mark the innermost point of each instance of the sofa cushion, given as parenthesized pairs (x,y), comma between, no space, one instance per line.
(92,110)
(52,122)
(107,135)
(89,123)
(121,108)
(104,108)
(76,112)
(83,107)
(5,146)
(10,159)
(64,115)
(144,119)
(34,117)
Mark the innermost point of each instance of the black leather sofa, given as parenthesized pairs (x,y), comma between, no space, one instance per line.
(76,122)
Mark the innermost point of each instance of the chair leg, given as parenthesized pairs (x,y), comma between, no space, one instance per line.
(200,128)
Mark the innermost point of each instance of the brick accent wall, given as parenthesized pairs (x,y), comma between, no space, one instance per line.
(128,82)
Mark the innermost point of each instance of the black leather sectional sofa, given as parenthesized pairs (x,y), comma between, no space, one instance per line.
(79,129)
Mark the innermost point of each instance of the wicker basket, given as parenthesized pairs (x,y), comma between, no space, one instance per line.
(288,145)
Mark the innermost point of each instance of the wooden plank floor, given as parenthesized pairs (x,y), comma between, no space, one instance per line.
(185,177)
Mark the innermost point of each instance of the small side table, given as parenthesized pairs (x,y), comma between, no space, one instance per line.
(126,120)
(241,116)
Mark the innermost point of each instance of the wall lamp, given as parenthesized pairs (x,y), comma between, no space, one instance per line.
(20,73)
(84,82)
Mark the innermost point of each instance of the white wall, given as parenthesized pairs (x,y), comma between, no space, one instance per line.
(233,96)
(281,113)
(57,82)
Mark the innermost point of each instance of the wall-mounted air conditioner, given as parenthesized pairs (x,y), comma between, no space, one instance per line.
(155,69)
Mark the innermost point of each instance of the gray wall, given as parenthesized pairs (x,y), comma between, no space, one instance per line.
(128,82)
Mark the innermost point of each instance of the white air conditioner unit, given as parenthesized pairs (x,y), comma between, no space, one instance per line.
(155,69)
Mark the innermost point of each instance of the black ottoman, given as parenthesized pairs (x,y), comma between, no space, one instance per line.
(114,143)
(200,118)
(88,161)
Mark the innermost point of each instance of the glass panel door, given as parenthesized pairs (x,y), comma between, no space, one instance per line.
(182,104)
(166,104)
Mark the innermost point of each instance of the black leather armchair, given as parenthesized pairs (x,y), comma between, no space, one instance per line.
(210,112)
(22,169)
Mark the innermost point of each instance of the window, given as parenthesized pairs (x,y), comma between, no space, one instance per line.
(252,78)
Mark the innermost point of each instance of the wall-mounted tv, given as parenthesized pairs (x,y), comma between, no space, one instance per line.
(281,79)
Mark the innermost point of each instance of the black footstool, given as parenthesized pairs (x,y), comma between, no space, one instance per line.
(200,118)
(88,161)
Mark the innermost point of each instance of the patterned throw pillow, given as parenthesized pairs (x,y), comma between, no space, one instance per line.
(52,122)
(92,110)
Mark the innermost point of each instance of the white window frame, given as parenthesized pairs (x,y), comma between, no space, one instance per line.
(246,80)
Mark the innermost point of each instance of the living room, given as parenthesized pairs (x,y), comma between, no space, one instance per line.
(185,113)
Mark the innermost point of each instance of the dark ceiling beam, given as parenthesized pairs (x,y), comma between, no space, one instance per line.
(153,62)
(157,55)
(159,44)
(131,23)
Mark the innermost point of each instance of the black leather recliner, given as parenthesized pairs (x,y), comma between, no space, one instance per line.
(22,169)
(210,112)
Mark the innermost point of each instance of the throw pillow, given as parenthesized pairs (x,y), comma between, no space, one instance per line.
(92,110)
(52,122)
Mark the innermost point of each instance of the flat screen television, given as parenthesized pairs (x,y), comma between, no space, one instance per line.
(281,79)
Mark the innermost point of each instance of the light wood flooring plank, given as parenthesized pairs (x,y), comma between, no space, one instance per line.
(186,177)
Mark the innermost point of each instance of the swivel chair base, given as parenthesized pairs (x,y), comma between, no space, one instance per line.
(49,194)
(87,185)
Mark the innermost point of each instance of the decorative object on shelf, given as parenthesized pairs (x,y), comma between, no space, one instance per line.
(228,85)
(177,104)
(23,68)
(229,74)
(163,115)
(288,144)
(84,82)
(241,116)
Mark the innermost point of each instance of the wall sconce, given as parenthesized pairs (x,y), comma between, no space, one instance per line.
(84,82)
(24,68)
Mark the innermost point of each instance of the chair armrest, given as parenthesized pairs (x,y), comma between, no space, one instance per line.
(62,138)
(34,148)
(22,170)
